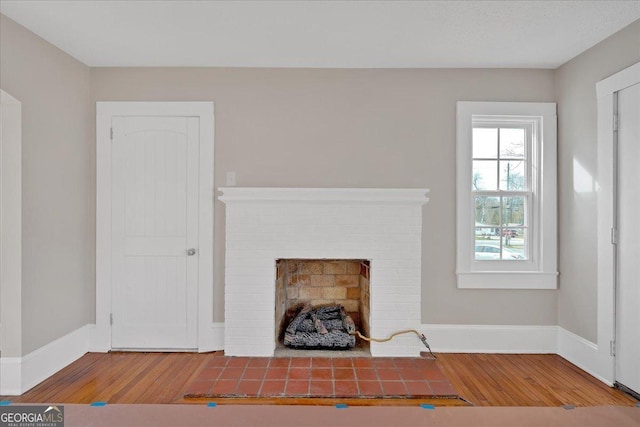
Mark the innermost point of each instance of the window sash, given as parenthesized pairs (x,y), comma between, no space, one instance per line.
(539,270)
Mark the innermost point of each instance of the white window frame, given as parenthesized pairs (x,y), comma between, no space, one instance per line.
(539,269)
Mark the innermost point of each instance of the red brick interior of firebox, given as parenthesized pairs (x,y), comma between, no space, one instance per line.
(323,282)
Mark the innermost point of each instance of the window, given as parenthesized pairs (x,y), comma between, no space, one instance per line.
(506,195)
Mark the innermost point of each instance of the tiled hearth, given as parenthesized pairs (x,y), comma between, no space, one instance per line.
(263,225)
(320,378)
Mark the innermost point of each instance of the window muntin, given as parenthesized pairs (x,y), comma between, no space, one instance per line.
(501,188)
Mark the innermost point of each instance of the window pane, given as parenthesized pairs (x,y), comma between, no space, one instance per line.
(512,175)
(513,211)
(512,145)
(486,233)
(487,249)
(514,244)
(487,211)
(485,143)
(485,175)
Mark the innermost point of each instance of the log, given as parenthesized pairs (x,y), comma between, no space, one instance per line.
(302,314)
(328,313)
(331,325)
(311,340)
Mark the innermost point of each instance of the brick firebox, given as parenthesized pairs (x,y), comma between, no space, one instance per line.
(321,283)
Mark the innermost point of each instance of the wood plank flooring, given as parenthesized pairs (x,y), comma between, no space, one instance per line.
(482,379)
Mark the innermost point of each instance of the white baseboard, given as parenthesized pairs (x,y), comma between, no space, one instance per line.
(491,338)
(27,371)
(19,374)
(10,376)
(585,355)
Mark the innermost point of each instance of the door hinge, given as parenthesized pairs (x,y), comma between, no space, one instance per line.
(111,319)
(615,122)
(111,134)
(612,348)
(614,236)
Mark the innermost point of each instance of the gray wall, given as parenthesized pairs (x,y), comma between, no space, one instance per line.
(351,128)
(301,128)
(577,158)
(57,282)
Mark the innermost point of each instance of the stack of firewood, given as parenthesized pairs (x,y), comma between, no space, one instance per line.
(328,327)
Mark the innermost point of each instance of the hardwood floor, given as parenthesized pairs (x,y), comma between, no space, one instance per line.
(526,380)
(482,379)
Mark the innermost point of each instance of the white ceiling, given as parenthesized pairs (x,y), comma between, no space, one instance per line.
(326,34)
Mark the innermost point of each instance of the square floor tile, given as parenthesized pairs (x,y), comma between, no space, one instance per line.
(321,374)
(433,375)
(254,373)
(297,388)
(238,362)
(361,362)
(299,373)
(231,373)
(344,374)
(276,374)
(342,362)
(300,362)
(224,387)
(370,388)
(272,388)
(405,363)
(388,374)
(321,388)
(346,388)
(366,374)
(426,363)
(248,388)
(210,374)
(280,362)
(258,362)
(321,362)
(393,388)
(384,363)
(408,374)
(418,388)
(218,362)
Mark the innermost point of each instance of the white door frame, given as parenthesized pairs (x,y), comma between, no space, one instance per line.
(104,112)
(606,90)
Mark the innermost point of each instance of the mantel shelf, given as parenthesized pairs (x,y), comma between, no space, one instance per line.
(325,195)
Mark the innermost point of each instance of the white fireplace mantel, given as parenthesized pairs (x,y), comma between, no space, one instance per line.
(383,226)
(323,195)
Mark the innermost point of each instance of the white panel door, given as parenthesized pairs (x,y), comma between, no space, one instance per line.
(154,226)
(628,269)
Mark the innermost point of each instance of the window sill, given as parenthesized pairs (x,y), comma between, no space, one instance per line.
(507,280)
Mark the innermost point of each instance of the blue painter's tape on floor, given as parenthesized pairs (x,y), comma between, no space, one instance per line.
(638,405)
(99,404)
(427,406)
(341,405)
(569,407)
(212,404)
(5,402)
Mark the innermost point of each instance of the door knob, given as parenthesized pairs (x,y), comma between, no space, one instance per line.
(191,252)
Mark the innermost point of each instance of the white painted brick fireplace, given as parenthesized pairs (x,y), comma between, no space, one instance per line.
(383,226)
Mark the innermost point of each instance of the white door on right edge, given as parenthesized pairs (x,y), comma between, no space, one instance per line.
(628,253)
